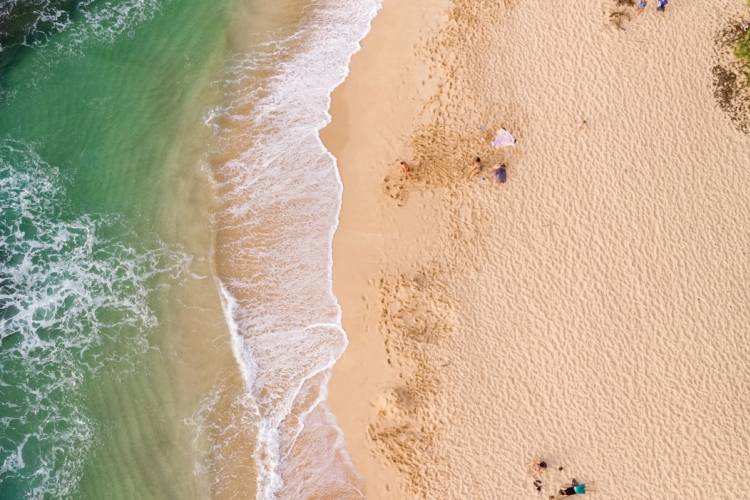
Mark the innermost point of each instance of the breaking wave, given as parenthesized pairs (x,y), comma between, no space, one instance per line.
(281,194)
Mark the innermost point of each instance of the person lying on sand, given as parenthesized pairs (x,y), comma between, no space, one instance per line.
(575,488)
(404,168)
(475,168)
(537,467)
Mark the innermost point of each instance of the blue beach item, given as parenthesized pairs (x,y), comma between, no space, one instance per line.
(643,4)
(662,5)
(580,489)
(501,174)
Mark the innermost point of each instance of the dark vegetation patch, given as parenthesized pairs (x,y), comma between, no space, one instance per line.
(731,73)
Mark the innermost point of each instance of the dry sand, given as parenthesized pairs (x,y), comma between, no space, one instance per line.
(594,310)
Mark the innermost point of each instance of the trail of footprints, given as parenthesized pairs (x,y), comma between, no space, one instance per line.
(416,316)
(620,13)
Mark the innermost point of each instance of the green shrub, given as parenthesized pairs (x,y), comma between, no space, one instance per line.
(742,50)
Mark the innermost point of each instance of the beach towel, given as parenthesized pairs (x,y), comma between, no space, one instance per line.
(503,139)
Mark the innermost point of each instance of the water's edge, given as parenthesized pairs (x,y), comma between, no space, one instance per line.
(294,423)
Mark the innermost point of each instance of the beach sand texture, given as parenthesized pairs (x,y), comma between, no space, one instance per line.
(594,309)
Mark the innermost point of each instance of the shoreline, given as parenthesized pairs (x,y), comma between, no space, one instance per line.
(463,300)
(274,231)
(356,264)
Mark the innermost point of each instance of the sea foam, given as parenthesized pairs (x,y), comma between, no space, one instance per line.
(64,30)
(74,301)
(281,195)
(36,22)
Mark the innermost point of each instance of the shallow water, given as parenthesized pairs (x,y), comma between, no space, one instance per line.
(92,120)
(167,211)
(279,201)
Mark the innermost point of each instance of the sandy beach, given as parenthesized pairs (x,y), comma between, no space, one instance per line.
(591,311)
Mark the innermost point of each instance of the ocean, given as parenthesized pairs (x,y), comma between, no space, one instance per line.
(166,213)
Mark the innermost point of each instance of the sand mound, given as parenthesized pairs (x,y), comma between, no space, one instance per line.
(451,134)
(416,317)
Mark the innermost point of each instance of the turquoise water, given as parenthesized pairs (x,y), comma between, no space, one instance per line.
(166,212)
(99,121)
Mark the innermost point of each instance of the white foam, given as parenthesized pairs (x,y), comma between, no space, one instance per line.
(93,20)
(62,35)
(240,351)
(281,200)
(72,302)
